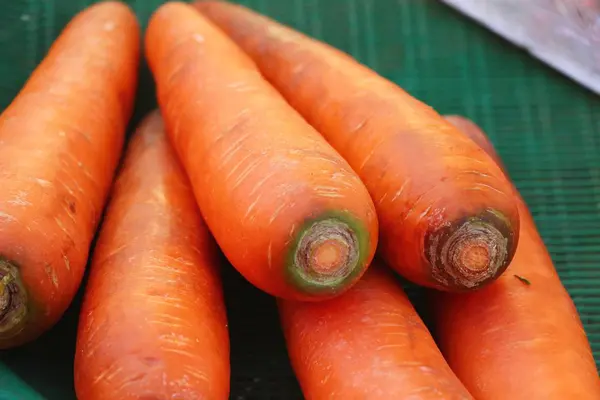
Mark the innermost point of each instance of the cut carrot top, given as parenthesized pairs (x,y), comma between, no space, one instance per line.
(328,251)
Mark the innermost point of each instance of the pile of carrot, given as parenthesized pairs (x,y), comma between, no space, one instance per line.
(317,179)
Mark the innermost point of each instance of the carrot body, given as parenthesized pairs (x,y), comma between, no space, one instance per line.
(447,219)
(60,141)
(368,343)
(153,323)
(520,337)
(287,210)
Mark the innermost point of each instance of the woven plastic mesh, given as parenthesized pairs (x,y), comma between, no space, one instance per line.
(546,128)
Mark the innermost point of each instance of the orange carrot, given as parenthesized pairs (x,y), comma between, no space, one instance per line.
(447,217)
(60,141)
(368,343)
(153,321)
(520,337)
(287,210)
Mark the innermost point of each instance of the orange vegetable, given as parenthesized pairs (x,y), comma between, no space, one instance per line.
(287,210)
(520,337)
(60,141)
(153,321)
(447,217)
(367,344)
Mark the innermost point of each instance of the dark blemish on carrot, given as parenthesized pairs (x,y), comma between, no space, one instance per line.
(524,280)
(150,360)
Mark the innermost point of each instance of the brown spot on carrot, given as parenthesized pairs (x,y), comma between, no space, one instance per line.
(13,300)
(72,207)
(470,252)
(150,361)
(524,280)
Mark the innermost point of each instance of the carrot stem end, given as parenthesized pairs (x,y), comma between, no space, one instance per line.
(328,254)
(471,252)
(13,300)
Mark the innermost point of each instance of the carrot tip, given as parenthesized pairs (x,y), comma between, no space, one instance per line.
(471,252)
(13,300)
(329,253)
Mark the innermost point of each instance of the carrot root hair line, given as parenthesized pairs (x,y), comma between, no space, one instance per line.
(13,300)
(470,252)
(329,251)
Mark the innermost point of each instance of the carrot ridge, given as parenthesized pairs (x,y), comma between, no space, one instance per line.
(340,230)
(471,252)
(13,300)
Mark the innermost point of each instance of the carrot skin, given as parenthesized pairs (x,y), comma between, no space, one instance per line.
(60,142)
(520,337)
(447,219)
(286,209)
(153,321)
(368,343)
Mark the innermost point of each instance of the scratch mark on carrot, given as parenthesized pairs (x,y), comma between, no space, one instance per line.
(163,301)
(391,346)
(258,185)
(328,191)
(7,217)
(51,274)
(399,192)
(102,375)
(114,373)
(484,187)
(382,198)
(356,128)
(251,206)
(173,319)
(180,352)
(83,134)
(247,171)
(372,153)
(114,252)
(20,199)
(61,225)
(269,254)
(67,262)
(276,212)
(195,373)
(43,183)
(241,86)
(237,165)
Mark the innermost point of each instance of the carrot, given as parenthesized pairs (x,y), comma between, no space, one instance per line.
(153,321)
(520,337)
(284,206)
(60,141)
(447,219)
(368,343)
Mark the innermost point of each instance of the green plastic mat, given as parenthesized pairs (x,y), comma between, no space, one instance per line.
(546,128)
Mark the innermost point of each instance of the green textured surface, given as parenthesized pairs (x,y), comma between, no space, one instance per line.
(546,128)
